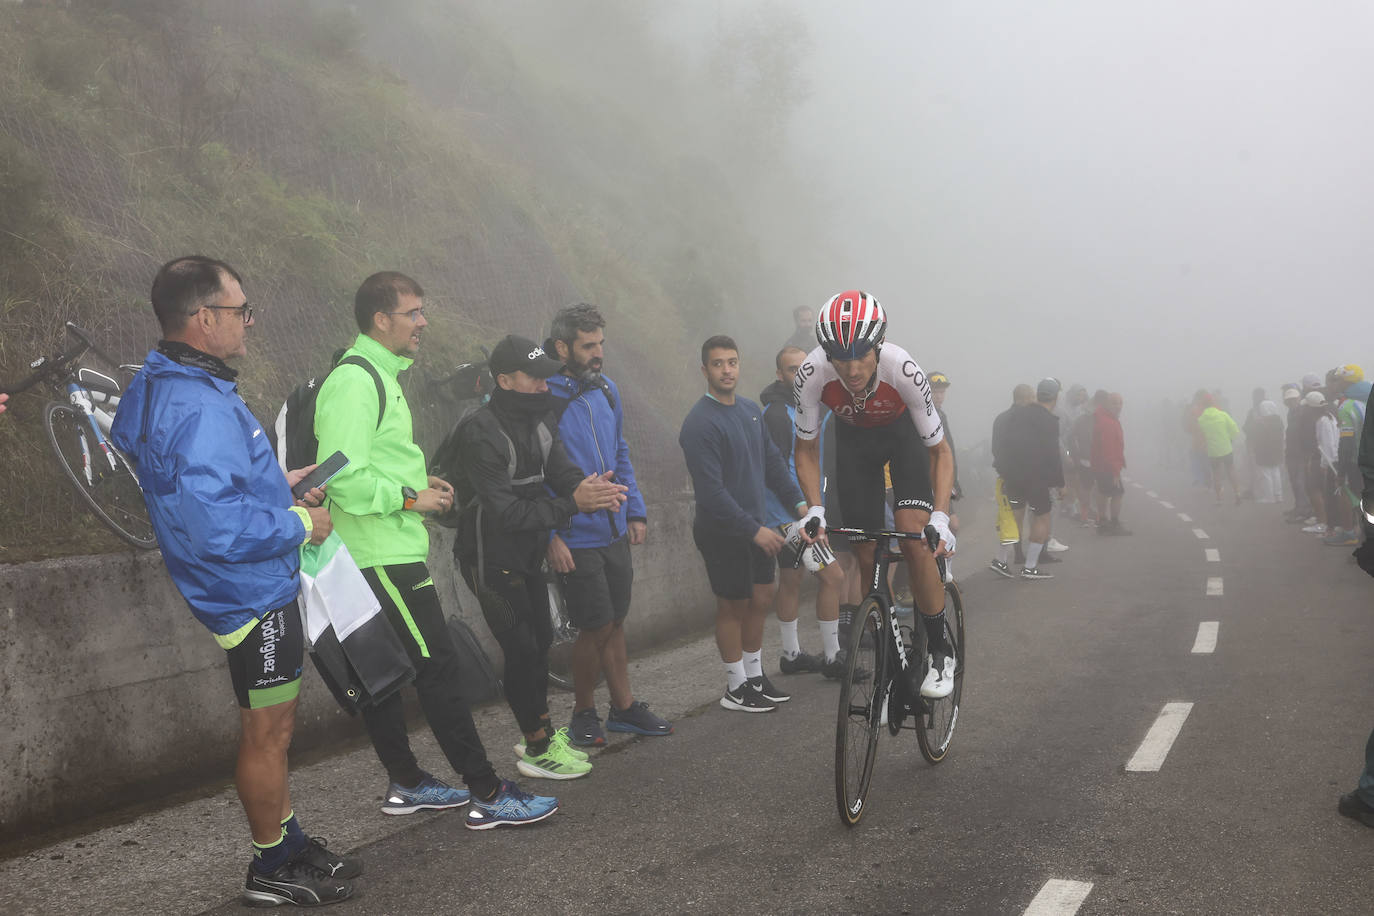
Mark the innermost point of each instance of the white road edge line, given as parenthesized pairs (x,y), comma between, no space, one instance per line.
(1200,534)
(1206,642)
(1152,494)
(1166,505)
(1214,585)
(1149,757)
(1183,516)
(1213,555)
(1059,898)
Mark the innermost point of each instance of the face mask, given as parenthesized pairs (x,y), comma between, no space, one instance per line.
(522,403)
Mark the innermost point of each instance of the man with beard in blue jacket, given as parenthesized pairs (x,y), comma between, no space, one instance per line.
(591,557)
(230,534)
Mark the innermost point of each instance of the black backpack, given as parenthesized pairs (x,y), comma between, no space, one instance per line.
(445,464)
(293,434)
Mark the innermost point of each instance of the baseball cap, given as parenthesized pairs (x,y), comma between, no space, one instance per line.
(1314,399)
(1048,389)
(1291,394)
(519,354)
(1311,380)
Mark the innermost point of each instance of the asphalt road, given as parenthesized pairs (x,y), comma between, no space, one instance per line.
(736,813)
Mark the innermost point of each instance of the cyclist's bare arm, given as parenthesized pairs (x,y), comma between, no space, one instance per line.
(807,453)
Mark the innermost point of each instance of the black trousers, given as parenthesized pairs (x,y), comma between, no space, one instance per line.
(408,597)
(516,608)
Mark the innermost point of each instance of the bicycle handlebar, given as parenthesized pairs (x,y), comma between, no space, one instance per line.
(46,366)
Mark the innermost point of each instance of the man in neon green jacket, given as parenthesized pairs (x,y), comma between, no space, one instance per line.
(1219,430)
(377,505)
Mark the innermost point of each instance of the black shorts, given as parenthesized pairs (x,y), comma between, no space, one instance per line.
(266,667)
(597,591)
(860,456)
(1223,461)
(733,564)
(1023,493)
(1108,484)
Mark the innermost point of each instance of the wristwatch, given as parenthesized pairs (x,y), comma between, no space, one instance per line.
(408,497)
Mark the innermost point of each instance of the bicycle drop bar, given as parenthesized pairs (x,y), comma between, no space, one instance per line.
(46,366)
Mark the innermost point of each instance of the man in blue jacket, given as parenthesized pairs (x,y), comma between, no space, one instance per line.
(230,534)
(592,555)
(732,458)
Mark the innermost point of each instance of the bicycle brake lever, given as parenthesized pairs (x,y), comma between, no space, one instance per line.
(932,538)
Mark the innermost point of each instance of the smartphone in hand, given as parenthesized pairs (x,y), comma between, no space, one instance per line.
(321,475)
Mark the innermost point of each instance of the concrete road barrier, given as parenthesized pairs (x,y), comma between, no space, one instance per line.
(111,693)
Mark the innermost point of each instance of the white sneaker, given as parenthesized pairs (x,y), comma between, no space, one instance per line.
(939,682)
(1054,545)
(1315,528)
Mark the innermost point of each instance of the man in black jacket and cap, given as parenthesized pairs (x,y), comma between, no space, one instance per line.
(511,458)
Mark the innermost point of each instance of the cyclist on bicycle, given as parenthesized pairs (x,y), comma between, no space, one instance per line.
(883,402)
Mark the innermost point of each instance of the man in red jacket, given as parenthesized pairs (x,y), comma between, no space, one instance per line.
(1108,460)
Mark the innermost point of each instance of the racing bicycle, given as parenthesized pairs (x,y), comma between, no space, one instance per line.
(78,428)
(876,692)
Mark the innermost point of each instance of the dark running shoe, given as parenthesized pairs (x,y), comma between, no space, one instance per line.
(431,794)
(835,668)
(637,720)
(296,882)
(768,691)
(1355,808)
(316,853)
(1032,573)
(584,729)
(803,663)
(745,698)
(1001,569)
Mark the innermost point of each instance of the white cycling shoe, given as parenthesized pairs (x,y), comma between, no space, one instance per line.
(939,682)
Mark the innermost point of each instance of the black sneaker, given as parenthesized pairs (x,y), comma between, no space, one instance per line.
(767,690)
(296,882)
(835,668)
(745,698)
(1031,572)
(1354,807)
(1001,569)
(803,663)
(316,853)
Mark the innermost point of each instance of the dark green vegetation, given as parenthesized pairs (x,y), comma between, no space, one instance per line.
(513,157)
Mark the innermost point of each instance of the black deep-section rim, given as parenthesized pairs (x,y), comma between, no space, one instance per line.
(113,493)
(939,718)
(858,723)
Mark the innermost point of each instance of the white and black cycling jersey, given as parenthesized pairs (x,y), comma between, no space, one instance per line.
(899,387)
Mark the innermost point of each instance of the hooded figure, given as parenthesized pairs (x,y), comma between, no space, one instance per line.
(1264,435)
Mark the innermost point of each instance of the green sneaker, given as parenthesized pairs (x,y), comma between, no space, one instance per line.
(555,763)
(560,737)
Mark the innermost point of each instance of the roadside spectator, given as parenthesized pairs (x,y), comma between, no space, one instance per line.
(779,415)
(230,534)
(1033,468)
(1292,454)
(732,459)
(1359,804)
(1219,430)
(378,503)
(804,329)
(1351,391)
(1008,516)
(939,388)
(523,487)
(1264,439)
(591,557)
(1070,409)
(1198,462)
(1109,460)
(1321,463)
(1081,456)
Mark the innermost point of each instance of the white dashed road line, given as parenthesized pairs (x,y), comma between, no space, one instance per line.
(1149,757)
(1213,555)
(1214,585)
(1166,505)
(1206,642)
(1183,516)
(1152,494)
(1200,534)
(1059,898)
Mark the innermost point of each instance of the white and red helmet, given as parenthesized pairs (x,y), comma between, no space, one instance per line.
(850,324)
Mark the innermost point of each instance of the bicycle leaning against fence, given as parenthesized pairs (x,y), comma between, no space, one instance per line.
(876,692)
(78,428)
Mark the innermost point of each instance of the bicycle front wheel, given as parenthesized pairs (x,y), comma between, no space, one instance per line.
(111,492)
(937,718)
(863,701)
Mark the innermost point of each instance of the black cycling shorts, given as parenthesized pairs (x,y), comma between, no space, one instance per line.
(1024,493)
(860,456)
(597,591)
(1108,484)
(734,565)
(266,667)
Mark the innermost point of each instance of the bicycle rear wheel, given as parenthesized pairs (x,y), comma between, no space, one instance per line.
(936,719)
(564,635)
(860,719)
(112,493)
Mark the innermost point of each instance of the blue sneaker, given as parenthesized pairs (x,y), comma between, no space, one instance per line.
(637,720)
(431,793)
(511,807)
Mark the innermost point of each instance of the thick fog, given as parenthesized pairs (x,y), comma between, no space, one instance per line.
(1146,197)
